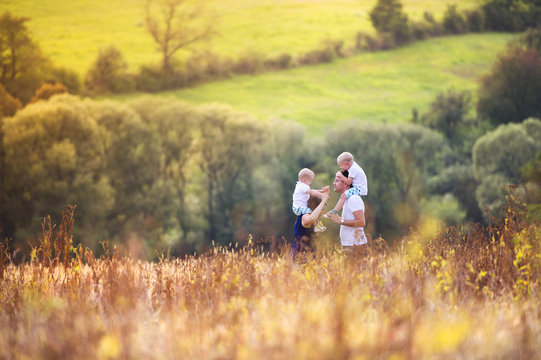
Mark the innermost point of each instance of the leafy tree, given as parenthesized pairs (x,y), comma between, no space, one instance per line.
(228,148)
(130,162)
(448,112)
(173,123)
(60,145)
(512,91)
(453,21)
(8,104)
(180,23)
(458,179)
(46,91)
(512,15)
(387,17)
(109,73)
(498,159)
(532,174)
(22,66)
(531,39)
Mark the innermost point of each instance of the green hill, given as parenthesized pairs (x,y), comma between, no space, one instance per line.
(71,32)
(380,86)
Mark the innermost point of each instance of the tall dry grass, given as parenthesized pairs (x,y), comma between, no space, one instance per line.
(469,292)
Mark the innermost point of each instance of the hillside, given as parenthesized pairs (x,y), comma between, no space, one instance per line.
(381,86)
(72,32)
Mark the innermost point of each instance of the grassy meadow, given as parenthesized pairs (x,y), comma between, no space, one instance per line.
(72,32)
(378,86)
(439,294)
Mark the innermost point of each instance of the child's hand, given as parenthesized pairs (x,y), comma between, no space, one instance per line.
(325,189)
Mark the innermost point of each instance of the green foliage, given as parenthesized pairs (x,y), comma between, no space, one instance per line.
(22,66)
(388,17)
(512,15)
(61,147)
(458,180)
(531,39)
(229,147)
(46,91)
(109,73)
(476,20)
(446,209)
(9,105)
(448,113)
(454,22)
(512,91)
(498,158)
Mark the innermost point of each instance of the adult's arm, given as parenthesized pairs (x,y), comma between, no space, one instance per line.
(357,222)
(309,219)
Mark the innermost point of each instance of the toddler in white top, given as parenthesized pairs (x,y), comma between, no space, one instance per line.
(303,192)
(356,178)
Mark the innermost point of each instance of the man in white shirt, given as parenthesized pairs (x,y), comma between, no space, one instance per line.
(352,221)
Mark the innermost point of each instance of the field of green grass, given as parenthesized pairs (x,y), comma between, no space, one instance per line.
(380,86)
(72,32)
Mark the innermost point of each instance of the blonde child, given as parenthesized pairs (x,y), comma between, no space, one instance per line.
(356,178)
(303,192)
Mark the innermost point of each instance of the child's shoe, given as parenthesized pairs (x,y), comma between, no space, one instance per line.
(319,227)
(326,215)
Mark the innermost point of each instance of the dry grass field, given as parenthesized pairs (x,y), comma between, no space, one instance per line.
(442,293)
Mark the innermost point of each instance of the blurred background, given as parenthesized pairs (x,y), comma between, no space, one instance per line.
(171,124)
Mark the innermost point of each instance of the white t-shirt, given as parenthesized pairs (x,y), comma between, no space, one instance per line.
(350,236)
(359,178)
(300,195)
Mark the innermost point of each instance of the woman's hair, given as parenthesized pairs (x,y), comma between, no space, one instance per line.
(313,202)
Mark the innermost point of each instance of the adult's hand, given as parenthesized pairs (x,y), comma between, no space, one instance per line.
(334,217)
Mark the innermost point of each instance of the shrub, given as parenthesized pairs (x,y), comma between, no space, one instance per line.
(435,28)
(532,39)
(48,90)
(420,30)
(282,61)
(453,21)
(511,15)
(8,104)
(250,63)
(475,20)
(153,79)
(511,92)
(109,73)
(387,17)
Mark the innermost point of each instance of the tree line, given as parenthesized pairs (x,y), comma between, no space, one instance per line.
(164,176)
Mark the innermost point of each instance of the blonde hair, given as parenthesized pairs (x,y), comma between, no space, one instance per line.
(343,157)
(306,173)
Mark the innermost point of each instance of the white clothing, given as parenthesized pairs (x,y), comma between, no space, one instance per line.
(359,178)
(300,195)
(350,236)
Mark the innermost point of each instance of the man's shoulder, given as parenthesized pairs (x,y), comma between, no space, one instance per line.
(355,202)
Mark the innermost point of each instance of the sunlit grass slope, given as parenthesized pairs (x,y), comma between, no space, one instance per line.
(380,86)
(71,32)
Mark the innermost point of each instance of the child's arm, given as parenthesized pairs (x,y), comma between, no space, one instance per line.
(319,192)
(347,180)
